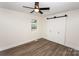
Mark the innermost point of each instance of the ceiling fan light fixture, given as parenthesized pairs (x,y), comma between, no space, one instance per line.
(36,10)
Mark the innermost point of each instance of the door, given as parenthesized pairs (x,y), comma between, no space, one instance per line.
(57,30)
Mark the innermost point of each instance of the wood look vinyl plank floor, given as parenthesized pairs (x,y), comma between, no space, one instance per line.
(42,47)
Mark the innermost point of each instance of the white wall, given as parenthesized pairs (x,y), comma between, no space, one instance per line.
(71,28)
(15,28)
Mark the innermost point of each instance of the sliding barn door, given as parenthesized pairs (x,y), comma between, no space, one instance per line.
(57,30)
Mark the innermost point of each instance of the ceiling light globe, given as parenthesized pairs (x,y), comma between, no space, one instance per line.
(36,10)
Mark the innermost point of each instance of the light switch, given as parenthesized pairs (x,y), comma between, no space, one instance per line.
(50,31)
(58,32)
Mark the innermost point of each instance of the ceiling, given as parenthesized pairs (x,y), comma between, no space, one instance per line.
(55,7)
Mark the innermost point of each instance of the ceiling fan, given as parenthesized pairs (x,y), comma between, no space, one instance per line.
(37,8)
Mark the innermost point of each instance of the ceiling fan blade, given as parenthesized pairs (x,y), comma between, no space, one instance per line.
(32,11)
(41,12)
(27,7)
(47,8)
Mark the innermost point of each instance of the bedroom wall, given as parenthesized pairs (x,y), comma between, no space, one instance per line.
(71,33)
(15,28)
